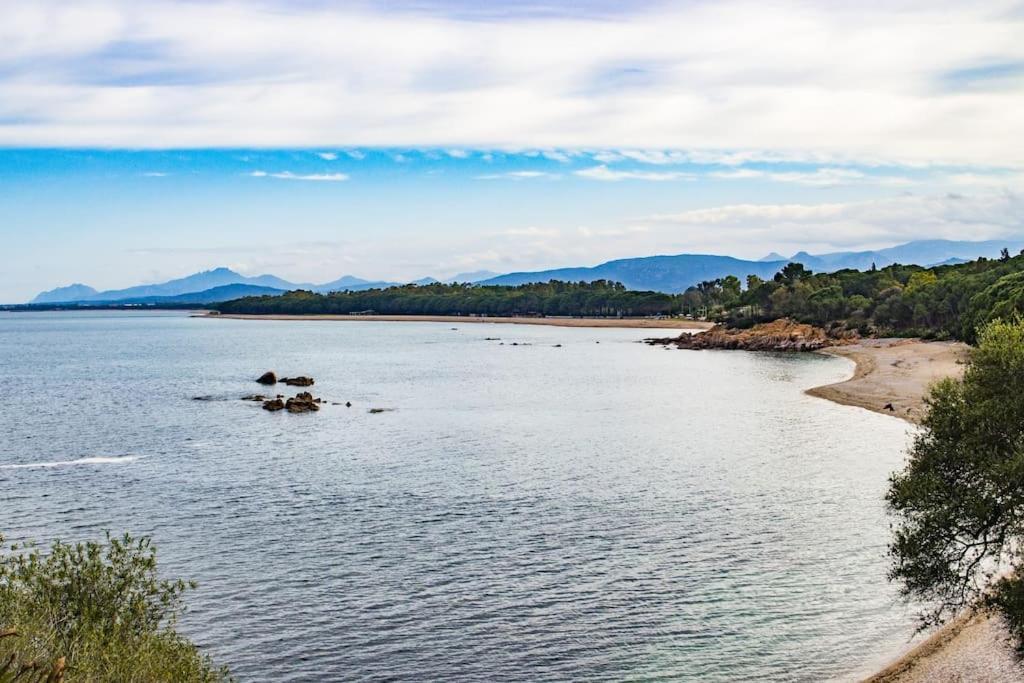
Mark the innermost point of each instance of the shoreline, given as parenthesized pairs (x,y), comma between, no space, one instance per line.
(896,372)
(973,645)
(622,323)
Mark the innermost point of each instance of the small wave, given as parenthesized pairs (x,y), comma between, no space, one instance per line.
(98,460)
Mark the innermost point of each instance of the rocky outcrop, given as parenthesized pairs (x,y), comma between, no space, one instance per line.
(267,378)
(300,381)
(273,405)
(779,335)
(303,402)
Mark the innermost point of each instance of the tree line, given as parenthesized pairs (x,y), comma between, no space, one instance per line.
(600,298)
(940,302)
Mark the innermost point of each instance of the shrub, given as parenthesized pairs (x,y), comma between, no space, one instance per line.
(102,608)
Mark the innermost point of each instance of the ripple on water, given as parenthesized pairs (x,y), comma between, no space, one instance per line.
(595,512)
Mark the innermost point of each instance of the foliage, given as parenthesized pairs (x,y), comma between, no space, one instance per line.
(102,607)
(599,299)
(960,500)
(941,302)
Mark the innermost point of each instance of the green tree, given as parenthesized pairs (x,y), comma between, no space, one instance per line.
(792,273)
(960,501)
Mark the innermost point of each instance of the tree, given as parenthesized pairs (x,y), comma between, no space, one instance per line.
(731,289)
(960,501)
(792,273)
(1004,254)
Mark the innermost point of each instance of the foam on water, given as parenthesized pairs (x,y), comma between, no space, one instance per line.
(97,460)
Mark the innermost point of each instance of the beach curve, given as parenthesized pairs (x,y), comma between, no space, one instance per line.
(975,645)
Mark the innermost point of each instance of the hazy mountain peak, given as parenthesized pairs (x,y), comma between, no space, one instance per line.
(71,292)
(774,256)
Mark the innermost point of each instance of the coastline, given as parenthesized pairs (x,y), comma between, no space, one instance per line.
(973,646)
(626,323)
(895,372)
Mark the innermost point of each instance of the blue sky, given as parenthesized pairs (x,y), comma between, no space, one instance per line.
(408,138)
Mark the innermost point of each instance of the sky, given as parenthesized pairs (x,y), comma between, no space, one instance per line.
(144,140)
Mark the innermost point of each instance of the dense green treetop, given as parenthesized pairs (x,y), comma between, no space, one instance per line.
(599,298)
(959,503)
(950,301)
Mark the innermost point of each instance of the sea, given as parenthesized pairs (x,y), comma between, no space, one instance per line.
(498,503)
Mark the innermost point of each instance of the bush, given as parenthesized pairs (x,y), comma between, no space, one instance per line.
(102,608)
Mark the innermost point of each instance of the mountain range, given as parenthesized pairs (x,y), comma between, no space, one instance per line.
(659,273)
(211,286)
(676,273)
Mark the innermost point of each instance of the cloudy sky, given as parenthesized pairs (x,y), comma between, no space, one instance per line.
(396,139)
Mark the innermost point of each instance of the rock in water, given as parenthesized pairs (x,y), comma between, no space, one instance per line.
(267,378)
(298,381)
(274,405)
(302,403)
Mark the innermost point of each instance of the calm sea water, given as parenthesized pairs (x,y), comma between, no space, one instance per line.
(599,511)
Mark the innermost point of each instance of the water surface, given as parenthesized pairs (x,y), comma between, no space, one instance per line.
(599,511)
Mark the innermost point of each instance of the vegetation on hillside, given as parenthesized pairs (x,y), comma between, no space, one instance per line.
(597,299)
(959,503)
(100,608)
(941,302)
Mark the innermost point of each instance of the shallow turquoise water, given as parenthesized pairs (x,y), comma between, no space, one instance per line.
(599,511)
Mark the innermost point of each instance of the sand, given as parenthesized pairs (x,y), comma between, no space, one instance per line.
(974,646)
(631,323)
(893,371)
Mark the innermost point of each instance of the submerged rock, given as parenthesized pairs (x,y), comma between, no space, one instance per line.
(255,397)
(300,381)
(267,378)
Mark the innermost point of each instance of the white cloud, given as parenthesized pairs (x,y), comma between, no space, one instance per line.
(860,224)
(518,175)
(327,156)
(604,173)
(458,153)
(820,177)
(316,177)
(828,81)
(155,174)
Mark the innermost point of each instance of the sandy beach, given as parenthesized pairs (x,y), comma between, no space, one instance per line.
(974,646)
(893,372)
(629,323)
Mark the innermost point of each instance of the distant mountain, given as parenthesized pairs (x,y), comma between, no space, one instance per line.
(207,296)
(475,276)
(425,281)
(921,252)
(774,256)
(69,293)
(676,273)
(199,282)
(950,262)
(341,284)
(659,273)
